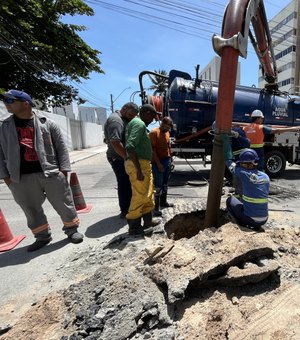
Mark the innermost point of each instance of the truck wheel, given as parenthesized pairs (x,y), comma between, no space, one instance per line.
(275,163)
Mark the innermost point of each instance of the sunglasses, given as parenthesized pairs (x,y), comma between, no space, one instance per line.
(11,100)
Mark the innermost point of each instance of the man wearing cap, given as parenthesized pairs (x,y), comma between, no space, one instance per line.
(138,168)
(252,209)
(114,130)
(256,132)
(34,162)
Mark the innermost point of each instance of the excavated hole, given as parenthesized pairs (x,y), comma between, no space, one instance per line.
(187,225)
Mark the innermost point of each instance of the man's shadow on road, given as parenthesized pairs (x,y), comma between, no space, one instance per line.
(106,226)
(20,255)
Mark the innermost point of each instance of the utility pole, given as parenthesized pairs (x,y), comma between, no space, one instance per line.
(113,101)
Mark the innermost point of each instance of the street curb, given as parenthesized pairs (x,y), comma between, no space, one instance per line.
(87,156)
(84,157)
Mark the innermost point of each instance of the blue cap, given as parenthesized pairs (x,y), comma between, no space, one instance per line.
(248,156)
(16,94)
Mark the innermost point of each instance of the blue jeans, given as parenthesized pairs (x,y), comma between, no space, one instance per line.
(124,186)
(161,178)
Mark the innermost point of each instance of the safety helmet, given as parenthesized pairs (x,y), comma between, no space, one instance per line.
(257,114)
(248,156)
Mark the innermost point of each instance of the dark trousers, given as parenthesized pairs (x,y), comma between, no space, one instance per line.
(124,186)
(31,192)
(161,179)
(261,162)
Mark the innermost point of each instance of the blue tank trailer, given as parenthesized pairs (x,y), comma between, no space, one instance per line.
(191,103)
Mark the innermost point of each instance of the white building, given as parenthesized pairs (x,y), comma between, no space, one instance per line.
(89,114)
(96,115)
(284,29)
(212,71)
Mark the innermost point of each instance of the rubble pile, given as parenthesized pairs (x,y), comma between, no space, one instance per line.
(184,282)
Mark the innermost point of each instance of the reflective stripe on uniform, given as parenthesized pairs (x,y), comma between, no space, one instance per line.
(237,152)
(260,219)
(255,200)
(40,229)
(256,146)
(73,223)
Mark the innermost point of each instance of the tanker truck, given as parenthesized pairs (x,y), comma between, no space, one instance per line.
(191,103)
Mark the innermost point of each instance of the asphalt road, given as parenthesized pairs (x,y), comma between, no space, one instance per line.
(27,277)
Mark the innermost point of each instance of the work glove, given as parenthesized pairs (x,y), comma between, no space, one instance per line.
(235,134)
(227,151)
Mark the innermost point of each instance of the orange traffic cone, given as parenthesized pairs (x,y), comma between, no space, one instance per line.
(7,240)
(80,205)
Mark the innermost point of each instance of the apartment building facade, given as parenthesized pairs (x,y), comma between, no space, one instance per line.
(212,71)
(284,29)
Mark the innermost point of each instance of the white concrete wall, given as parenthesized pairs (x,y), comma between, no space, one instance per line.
(3,112)
(63,123)
(70,111)
(92,134)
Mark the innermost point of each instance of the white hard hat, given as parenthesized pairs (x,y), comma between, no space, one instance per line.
(257,114)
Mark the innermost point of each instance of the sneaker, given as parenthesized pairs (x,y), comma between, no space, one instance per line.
(38,244)
(76,237)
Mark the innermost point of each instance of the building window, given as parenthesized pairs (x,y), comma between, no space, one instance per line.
(284,22)
(286,82)
(285,52)
(287,66)
(284,37)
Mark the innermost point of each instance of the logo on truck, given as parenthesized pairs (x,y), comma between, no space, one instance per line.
(280,112)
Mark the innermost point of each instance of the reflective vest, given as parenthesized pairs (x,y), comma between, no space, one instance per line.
(255,133)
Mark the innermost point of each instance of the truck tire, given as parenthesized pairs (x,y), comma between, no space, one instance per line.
(275,163)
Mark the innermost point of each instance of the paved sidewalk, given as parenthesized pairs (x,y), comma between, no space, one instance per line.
(79,155)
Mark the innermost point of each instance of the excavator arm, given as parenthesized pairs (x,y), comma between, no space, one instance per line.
(249,11)
(233,43)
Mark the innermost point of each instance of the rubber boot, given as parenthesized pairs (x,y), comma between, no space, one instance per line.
(135,227)
(163,201)
(156,211)
(150,223)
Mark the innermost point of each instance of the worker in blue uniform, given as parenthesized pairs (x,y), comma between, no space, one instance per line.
(239,142)
(252,210)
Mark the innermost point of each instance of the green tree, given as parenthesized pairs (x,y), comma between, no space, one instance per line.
(41,54)
(159,83)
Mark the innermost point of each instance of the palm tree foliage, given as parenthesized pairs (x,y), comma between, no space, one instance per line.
(159,83)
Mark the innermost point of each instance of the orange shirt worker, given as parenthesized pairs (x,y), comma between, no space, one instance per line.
(161,162)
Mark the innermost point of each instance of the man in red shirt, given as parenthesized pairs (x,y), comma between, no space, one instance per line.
(161,162)
(34,163)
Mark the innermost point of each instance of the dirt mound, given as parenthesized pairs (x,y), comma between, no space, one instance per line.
(221,283)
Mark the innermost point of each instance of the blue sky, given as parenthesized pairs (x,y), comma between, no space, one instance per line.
(130,43)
